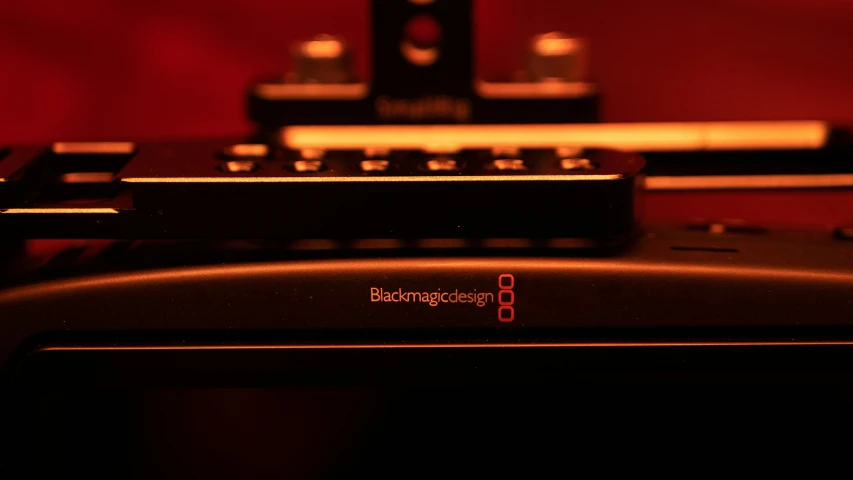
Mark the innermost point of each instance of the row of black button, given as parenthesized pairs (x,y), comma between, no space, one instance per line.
(245,158)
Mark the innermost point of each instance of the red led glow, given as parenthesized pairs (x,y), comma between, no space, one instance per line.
(506,298)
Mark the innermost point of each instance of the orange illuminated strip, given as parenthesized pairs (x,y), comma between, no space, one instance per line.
(453,345)
(312,91)
(425,178)
(59,210)
(628,136)
(87,177)
(93,147)
(509,90)
(723,182)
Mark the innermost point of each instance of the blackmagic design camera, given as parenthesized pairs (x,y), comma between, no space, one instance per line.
(422,272)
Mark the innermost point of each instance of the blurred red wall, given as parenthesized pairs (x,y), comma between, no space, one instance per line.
(86,69)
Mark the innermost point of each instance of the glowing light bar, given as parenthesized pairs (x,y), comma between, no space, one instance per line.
(312,91)
(646,137)
(395,179)
(87,177)
(729,182)
(520,90)
(93,147)
(51,211)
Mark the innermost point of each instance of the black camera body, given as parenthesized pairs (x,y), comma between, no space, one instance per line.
(460,256)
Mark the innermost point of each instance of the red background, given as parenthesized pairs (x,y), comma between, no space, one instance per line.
(102,69)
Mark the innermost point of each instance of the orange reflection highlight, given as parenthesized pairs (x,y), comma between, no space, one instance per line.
(626,136)
(451,345)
